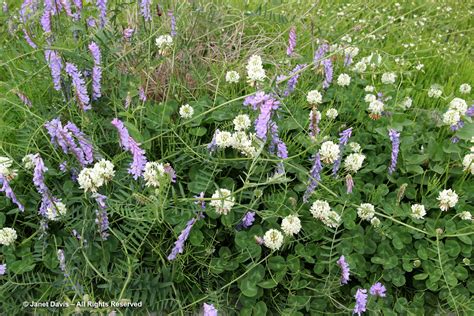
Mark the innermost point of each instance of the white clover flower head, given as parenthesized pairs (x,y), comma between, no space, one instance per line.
(465,88)
(273,239)
(255,71)
(447,198)
(355,147)
(467,216)
(360,67)
(375,222)
(418,211)
(154,174)
(329,152)
(468,163)
(232,76)
(7,236)
(29,161)
(241,122)
(376,107)
(332,219)
(369,89)
(451,117)
(291,225)
(5,162)
(243,142)
(55,211)
(314,97)
(224,139)
(389,78)
(458,104)
(435,92)
(186,111)
(5,168)
(164,43)
(86,180)
(344,80)
(370,98)
(222,201)
(366,211)
(419,66)
(353,162)
(407,103)
(352,51)
(331,113)
(320,209)
(104,169)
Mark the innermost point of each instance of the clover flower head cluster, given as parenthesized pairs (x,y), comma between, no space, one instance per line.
(222,201)
(164,43)
(331,113)
(435,92)
(291,225)
(366,211)
(6,169)
(55,211)
(376,107)
(389,78)
(7,236)
(455,113)
(468,163)
(91,179)
(273,239)
(465,88)
(466,216)
(186,111)
(232,76)
(321,210)
(255,71)
(447,199)
(155,174)
(329,152)
(353,162)
(314,97)
(418,211)
(344,80)
(239,140)
(241,122)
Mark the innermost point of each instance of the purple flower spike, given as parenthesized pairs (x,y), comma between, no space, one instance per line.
(349,184)
(344,269)
(102,220)
(145,9)
(395,139)
(343,140)
(128,33)
(170,171)
(319,54)
(291,84)
(200,200)
(96,70)
(173,23)
(46,20)
(209,310)
(129,144)
(5,187)
(314,177)
(263,120)
(54,61)
(141,94)
(248,219)
(24,99)
(29,40)
(470,111)
(179,244)
(277,145)
(328,70)
(79,86)
(378,290)
(361,301)
(102,6)
(291,41)
(3,269)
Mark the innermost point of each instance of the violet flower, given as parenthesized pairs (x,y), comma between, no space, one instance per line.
(46,20)
(141,94)
(5,7)
(173,23)
(314,118)
(344,269)
(378,290)
(200,200)
(96,71)
(54,62)
(47,200)
(129,144)
(319,54)
(457,126)
(263,120)
(170,171)
(291,84)
(24,99)
(328,70)
(5,187)
(395,139)
(67,8)
(62,261)
(361,301)
(102,220)
(454,139)
(343,140)
(315,177)
(102,6)
(349,184)
(91,22)
(128,33)
(470,111)
(78,4)
(179,244)
(347,60)
(3,269)
(212,146)
(79,86)
(71,140)
(29,40)
(27,8)
(248,219)
(277,145)
(291,41)
(145,9)
(209,310)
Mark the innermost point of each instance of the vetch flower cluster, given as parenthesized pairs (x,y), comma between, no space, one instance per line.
(79,84)
(345,270)
(96,71)
(91,179)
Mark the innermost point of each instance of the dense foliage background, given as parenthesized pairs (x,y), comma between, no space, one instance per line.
(423,263)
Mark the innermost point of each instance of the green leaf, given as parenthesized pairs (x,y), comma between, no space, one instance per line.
(248,287)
